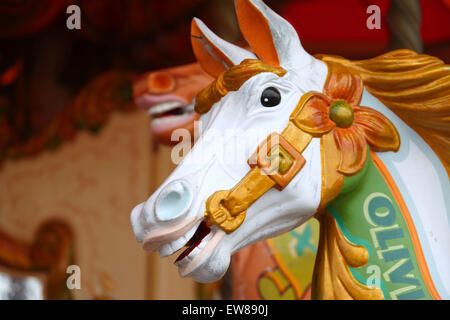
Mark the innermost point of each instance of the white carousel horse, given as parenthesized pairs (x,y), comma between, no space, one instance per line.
(382,204)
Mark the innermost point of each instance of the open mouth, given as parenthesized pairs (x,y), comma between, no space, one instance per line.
(169,111)
(196,243)
(198,240)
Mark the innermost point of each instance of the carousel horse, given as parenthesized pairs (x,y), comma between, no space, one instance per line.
(361,146)
(167,96)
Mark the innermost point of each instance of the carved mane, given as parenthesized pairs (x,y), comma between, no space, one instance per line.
(414,86)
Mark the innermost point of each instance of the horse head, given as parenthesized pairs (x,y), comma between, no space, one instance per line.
(167,96)
(257,91)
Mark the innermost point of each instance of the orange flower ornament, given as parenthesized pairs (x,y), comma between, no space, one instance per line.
(337,111)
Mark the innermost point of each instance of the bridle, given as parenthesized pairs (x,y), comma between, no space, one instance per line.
(275,163)
(345,128)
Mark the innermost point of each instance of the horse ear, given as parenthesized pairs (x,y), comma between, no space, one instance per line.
(272,38)
(214,54)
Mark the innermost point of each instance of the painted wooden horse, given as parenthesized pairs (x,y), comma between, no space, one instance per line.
(279,268)
(167,96)
(363,146)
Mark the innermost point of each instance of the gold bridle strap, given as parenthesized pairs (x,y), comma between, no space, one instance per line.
(274,164)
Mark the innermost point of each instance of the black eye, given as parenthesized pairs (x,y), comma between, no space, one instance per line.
(270,97)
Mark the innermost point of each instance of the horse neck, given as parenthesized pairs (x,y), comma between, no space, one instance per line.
(372,235)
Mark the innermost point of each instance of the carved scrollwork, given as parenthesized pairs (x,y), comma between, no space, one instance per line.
(332,277)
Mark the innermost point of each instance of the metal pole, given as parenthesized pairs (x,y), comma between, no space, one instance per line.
(404,19)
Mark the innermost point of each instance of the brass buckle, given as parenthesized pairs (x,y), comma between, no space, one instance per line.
(217,214)
(278,159)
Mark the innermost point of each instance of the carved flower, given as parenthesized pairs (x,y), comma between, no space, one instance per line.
(337,111)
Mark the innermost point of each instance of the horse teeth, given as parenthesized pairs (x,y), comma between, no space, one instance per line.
(186,260)
(193,253)
(178,244)
(158,121)
(189,234)
(189,108)
(164,107)
(204,241)
(170,248)
(183,262)
(165,250)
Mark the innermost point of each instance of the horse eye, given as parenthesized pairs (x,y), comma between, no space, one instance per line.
(270,97)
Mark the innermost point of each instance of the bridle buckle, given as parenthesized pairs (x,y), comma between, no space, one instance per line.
(278,159)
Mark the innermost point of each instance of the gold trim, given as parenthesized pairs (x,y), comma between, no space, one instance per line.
(332,278)
(414,86)
(268,157)
(332,179)
(296,137)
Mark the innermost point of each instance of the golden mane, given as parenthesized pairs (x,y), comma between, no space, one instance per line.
(414,86)
(231,80)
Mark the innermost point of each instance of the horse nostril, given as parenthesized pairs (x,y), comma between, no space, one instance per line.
(173,201)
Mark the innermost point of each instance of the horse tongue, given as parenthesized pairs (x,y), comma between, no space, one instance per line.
(202,231)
